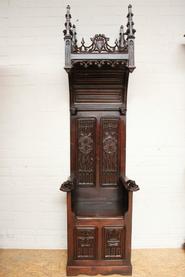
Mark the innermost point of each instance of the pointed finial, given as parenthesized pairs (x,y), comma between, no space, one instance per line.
(82,47)
(74,39)
(83,41)
(121,37)
(68,36)
(130,39)
(116,45)
(130,30)
(68,15)
(130,10)
(68,31)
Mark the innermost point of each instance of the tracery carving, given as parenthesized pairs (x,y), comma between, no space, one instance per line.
(110,170)
(85,243)
(113,242)
(100,45)
(100,63)
(86,151)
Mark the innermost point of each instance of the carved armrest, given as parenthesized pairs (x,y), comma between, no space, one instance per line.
(129,185)
(68,185)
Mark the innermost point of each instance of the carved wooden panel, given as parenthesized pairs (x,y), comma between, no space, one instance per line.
(86,151)
(85,238)
(113,242)
(110,151)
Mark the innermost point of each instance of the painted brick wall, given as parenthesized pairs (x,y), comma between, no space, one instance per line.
(34,118)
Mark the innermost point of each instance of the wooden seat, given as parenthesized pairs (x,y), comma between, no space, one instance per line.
(107,202)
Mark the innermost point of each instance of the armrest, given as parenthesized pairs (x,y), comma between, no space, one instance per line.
(68,185)
(129,185)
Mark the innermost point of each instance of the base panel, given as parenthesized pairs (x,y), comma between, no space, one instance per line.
(94,270)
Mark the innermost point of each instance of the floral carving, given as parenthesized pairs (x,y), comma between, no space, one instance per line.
(109,144)
(85,143)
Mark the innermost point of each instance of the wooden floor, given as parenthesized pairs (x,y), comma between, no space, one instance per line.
(51,263)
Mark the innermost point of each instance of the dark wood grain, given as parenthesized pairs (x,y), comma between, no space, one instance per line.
(99,196)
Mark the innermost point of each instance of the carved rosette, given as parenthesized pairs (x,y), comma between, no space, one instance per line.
(110,144)
(85,143)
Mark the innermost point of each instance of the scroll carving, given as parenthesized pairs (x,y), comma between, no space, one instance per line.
(110,152)
(85,243)
(67,185)
(86,130)
(128,184)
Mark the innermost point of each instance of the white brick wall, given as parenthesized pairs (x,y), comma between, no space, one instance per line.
(34,118)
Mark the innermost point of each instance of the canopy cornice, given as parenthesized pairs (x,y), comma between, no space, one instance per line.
(100,52)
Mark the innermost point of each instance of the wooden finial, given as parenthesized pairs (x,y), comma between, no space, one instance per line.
(68,36)
(68,31)
(121,37)
(74,39)
(130,39)
(130,30)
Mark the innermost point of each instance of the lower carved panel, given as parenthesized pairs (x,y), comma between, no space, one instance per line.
(113,243)
(85,243)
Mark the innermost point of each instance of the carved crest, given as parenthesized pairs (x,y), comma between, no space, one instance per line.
(100,45)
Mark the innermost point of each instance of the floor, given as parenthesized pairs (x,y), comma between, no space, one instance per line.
(51,263)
